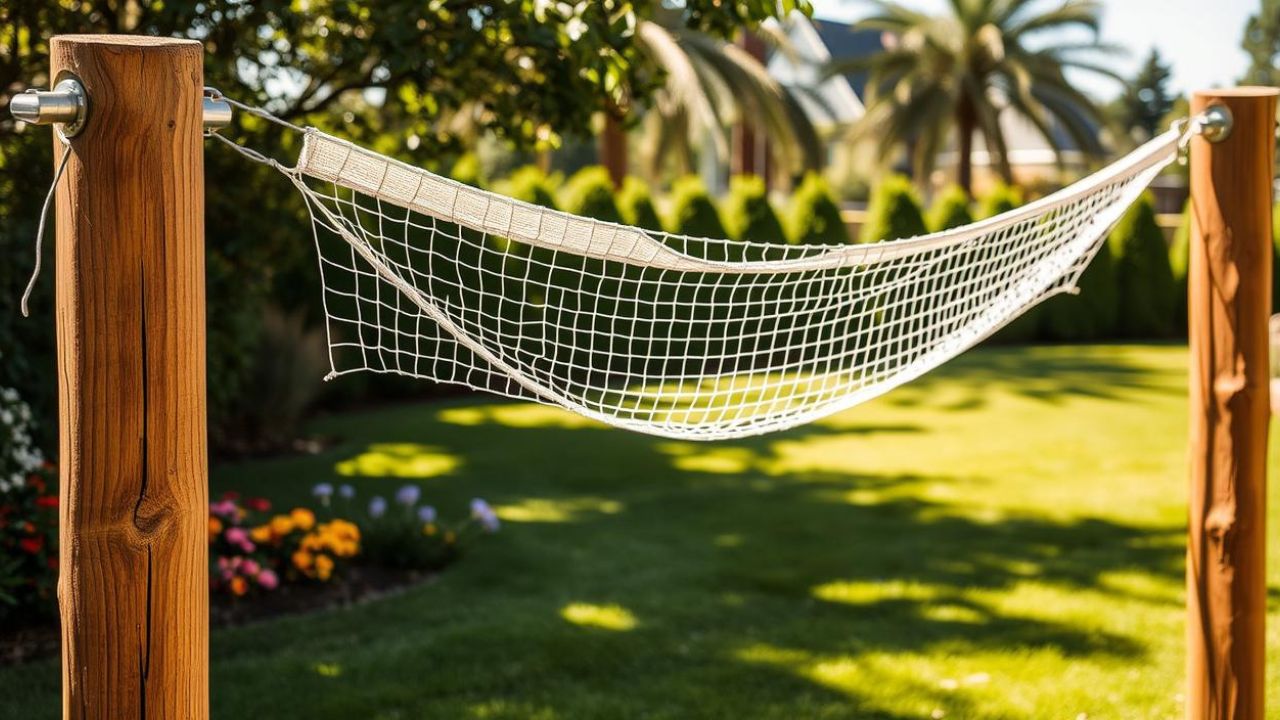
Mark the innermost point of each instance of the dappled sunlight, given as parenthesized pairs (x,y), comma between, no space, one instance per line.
(604,617)
(400,460)
(516,415)
(327,670)
(851,592)
(547,510)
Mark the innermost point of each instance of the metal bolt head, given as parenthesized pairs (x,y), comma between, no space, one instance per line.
(65,105)
(1216,123)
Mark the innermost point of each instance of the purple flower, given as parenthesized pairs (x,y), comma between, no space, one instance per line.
(346,492)
(323,491)
(426,514)
(377,507)
(482,513)
(408,495)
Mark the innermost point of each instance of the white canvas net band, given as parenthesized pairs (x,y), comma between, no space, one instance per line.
(675,336)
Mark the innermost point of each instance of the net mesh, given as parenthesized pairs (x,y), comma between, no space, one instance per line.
(675,336)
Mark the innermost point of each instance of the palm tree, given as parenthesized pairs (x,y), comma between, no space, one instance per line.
(709,86)
(958,70)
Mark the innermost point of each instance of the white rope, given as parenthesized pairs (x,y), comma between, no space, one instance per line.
(670,335)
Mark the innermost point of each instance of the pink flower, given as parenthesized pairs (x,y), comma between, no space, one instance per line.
(238,536)
(268,579)
(225,509)
(250,567)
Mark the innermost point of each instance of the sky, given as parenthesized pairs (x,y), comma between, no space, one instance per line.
(1199,38)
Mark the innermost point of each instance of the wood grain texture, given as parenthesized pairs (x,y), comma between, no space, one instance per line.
(1229,296)
(133,592)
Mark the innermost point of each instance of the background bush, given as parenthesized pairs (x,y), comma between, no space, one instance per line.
(589,193)
(529,184)
(813,217)
(1179,263)
(1090,315)
(894,212)
(1143,275)
(950,210)
(636,204)
(747,213)
(693,213)
(1001,199)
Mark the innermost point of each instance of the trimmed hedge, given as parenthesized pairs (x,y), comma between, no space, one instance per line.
(1179,261)
(1092,314)
(747,213)
(894,212)
(1143,274)
(529,184)
(589,193)
(693,213)
(950,210)
(1001,199)
(814,217)
(636,204)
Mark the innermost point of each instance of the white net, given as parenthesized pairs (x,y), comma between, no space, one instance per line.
(664,334)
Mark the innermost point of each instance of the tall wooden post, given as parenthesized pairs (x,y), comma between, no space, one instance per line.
(1229,296)
(134,589)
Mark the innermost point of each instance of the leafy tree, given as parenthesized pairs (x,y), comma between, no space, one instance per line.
(692,211)
(1143,274)
(1262,43)
(589,193)
(467,170)
(747,212)
(1146,102)
(814,217)
(636,204)
(894,212)
(945,75)
(950,210)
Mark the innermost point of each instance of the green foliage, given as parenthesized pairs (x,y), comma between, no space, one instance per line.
(1143,274)
(528,184)
(894,212)
(1262,43)
(1092,314)
(589,193)
(636,204)
(1001,199)
(693,213)
(1179,262)
(1147,99)
(467,169)
(747,213)
(813,217)
(950,210)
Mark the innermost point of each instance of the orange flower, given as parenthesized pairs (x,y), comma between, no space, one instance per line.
(215,527)
(302,560)
(303,518)
(239,586)
(324,567)
(449,537)
(260,534)
(429,529)
(281,525)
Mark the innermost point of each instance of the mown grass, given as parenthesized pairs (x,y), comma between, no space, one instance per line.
(1002,539)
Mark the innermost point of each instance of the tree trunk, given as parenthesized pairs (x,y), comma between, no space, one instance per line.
(613,148)
(748,148)
(965,123)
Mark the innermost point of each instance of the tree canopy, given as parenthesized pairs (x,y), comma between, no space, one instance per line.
(1147,100)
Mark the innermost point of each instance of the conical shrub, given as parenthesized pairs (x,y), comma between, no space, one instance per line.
(747,213)
(692,211)
(529,184)
(589,193)
(1090,315)
(813,217)
(636,204)
(894,212)
(1143,274)
(1001,199)
(1179,263)
(950,210)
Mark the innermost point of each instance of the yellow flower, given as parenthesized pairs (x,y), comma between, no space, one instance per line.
(429,529)
(281,525)
(302,560)
(324,566)
(303,518)
(449,537)
(260,534)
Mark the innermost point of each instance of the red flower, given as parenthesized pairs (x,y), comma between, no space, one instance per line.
(36,482)
(53,562)
(32,545)
(231,495)
(259,504)
(47,501)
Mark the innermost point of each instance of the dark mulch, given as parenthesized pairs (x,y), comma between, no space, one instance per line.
(363,584)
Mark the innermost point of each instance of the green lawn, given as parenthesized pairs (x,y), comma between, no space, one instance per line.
(1002,539)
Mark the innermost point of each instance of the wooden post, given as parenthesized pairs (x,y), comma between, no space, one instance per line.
(134,588)
(1229,296)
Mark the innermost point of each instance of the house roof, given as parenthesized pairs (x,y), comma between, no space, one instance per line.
(828,101)
(843,42)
